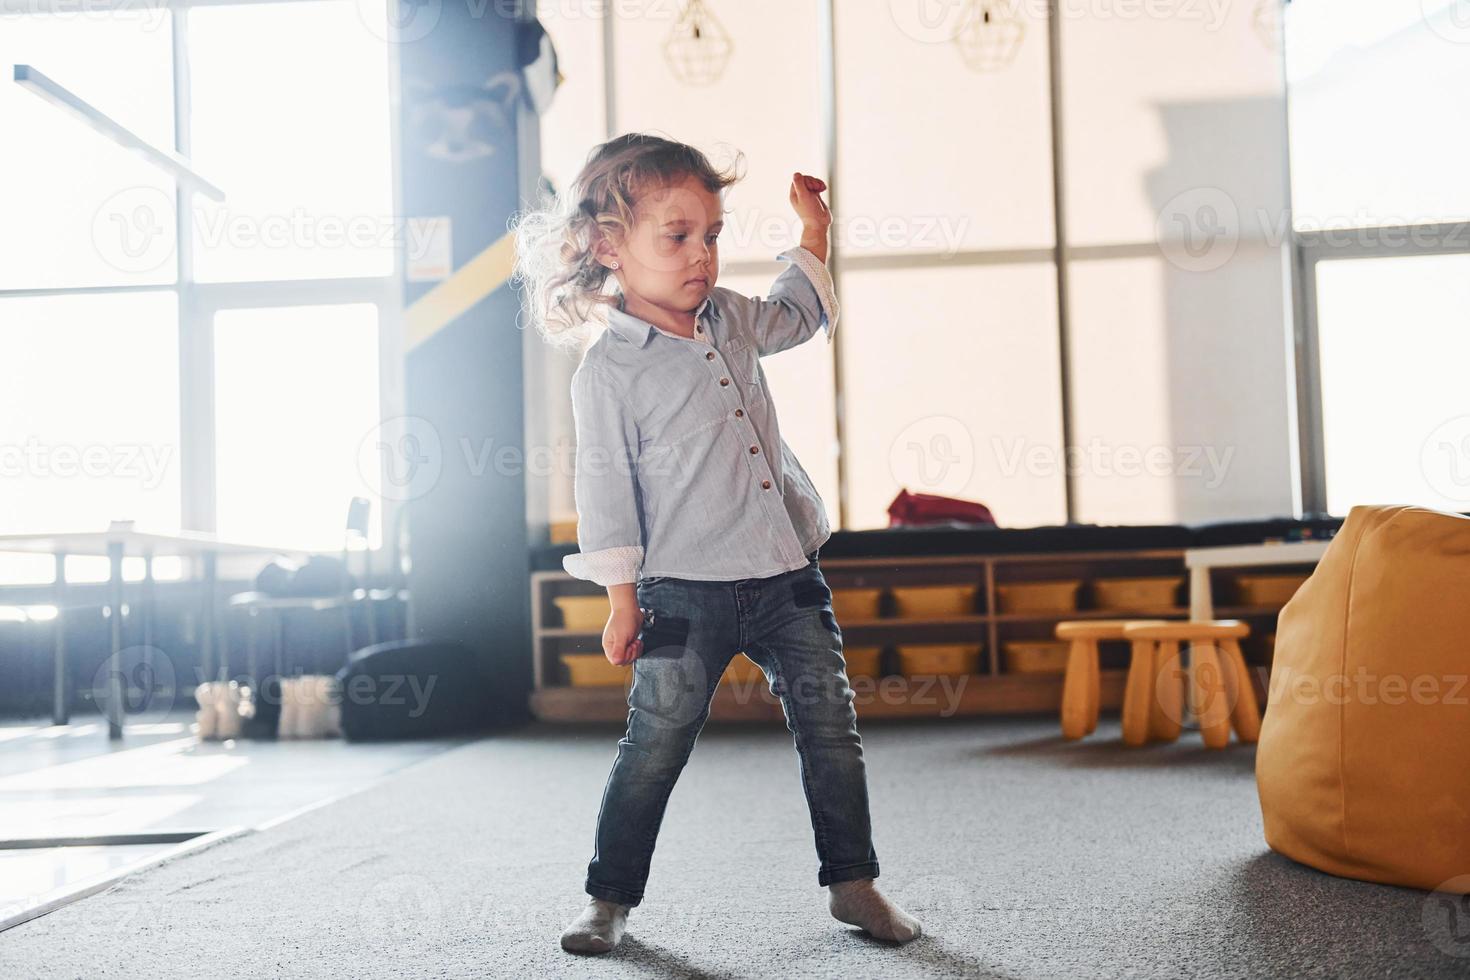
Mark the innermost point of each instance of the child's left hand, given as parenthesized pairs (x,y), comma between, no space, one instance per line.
(806,199)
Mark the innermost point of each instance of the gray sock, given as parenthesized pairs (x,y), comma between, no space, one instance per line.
(597,929)
(860,903)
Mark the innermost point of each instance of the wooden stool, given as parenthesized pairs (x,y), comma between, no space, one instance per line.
(1220,691)
(1080,689)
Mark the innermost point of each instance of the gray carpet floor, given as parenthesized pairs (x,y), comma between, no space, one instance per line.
(1023,855)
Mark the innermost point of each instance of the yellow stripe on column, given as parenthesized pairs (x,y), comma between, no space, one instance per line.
(472,282)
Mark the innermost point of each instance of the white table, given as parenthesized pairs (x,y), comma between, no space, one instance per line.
(116,544)
(1199,561)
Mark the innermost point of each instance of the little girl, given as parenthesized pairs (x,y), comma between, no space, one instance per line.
(692,510)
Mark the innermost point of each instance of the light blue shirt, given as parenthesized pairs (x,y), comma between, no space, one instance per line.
(680,466)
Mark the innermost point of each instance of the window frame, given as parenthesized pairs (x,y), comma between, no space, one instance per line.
(1310,248)
(1061,254)
(198,302)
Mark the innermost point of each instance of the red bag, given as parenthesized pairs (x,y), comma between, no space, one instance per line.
(927,508)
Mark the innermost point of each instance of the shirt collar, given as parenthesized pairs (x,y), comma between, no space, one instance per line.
(637,332)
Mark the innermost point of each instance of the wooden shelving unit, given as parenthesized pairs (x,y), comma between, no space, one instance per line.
(993,690)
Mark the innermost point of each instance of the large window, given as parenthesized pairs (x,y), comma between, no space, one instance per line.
(1379,95)
(1174,182)
(89,416)
(955,389)
(944,232)
(1379,100)
(1395,339)
(77,209)
(301,143)
(234,395)
(943,148)
(1170,284)
(296,397)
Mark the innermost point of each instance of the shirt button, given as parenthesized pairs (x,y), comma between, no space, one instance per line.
(740,413)
(724,381)
(709,356)
(765,484)
(754,450)
(698,328)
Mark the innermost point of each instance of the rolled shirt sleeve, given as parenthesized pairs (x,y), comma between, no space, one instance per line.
(605,483)
(801,300)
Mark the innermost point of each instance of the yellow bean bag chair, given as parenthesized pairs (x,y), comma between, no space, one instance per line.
(1363,766)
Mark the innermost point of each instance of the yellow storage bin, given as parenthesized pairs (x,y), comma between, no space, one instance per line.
(1267,590)
(583,612)
(856,603)
(1149,592)
(595,670)
(934,601)
(1036,656)
(862,661)
(742,670)
(1054,596)
(949,659)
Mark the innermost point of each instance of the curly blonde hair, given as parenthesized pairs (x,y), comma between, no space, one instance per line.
(565,286)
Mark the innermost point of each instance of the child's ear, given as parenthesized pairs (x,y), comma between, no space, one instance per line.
(605,253)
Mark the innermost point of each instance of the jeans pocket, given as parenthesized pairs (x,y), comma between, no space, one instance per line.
(663,634)
(811,591)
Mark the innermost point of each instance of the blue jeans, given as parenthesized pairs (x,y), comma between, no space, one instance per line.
(691,631)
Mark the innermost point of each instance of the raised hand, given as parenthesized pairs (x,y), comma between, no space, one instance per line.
(806,199)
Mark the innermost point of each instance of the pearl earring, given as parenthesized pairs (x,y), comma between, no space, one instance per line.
(614,265)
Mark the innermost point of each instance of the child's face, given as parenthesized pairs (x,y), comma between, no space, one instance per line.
(671,258)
